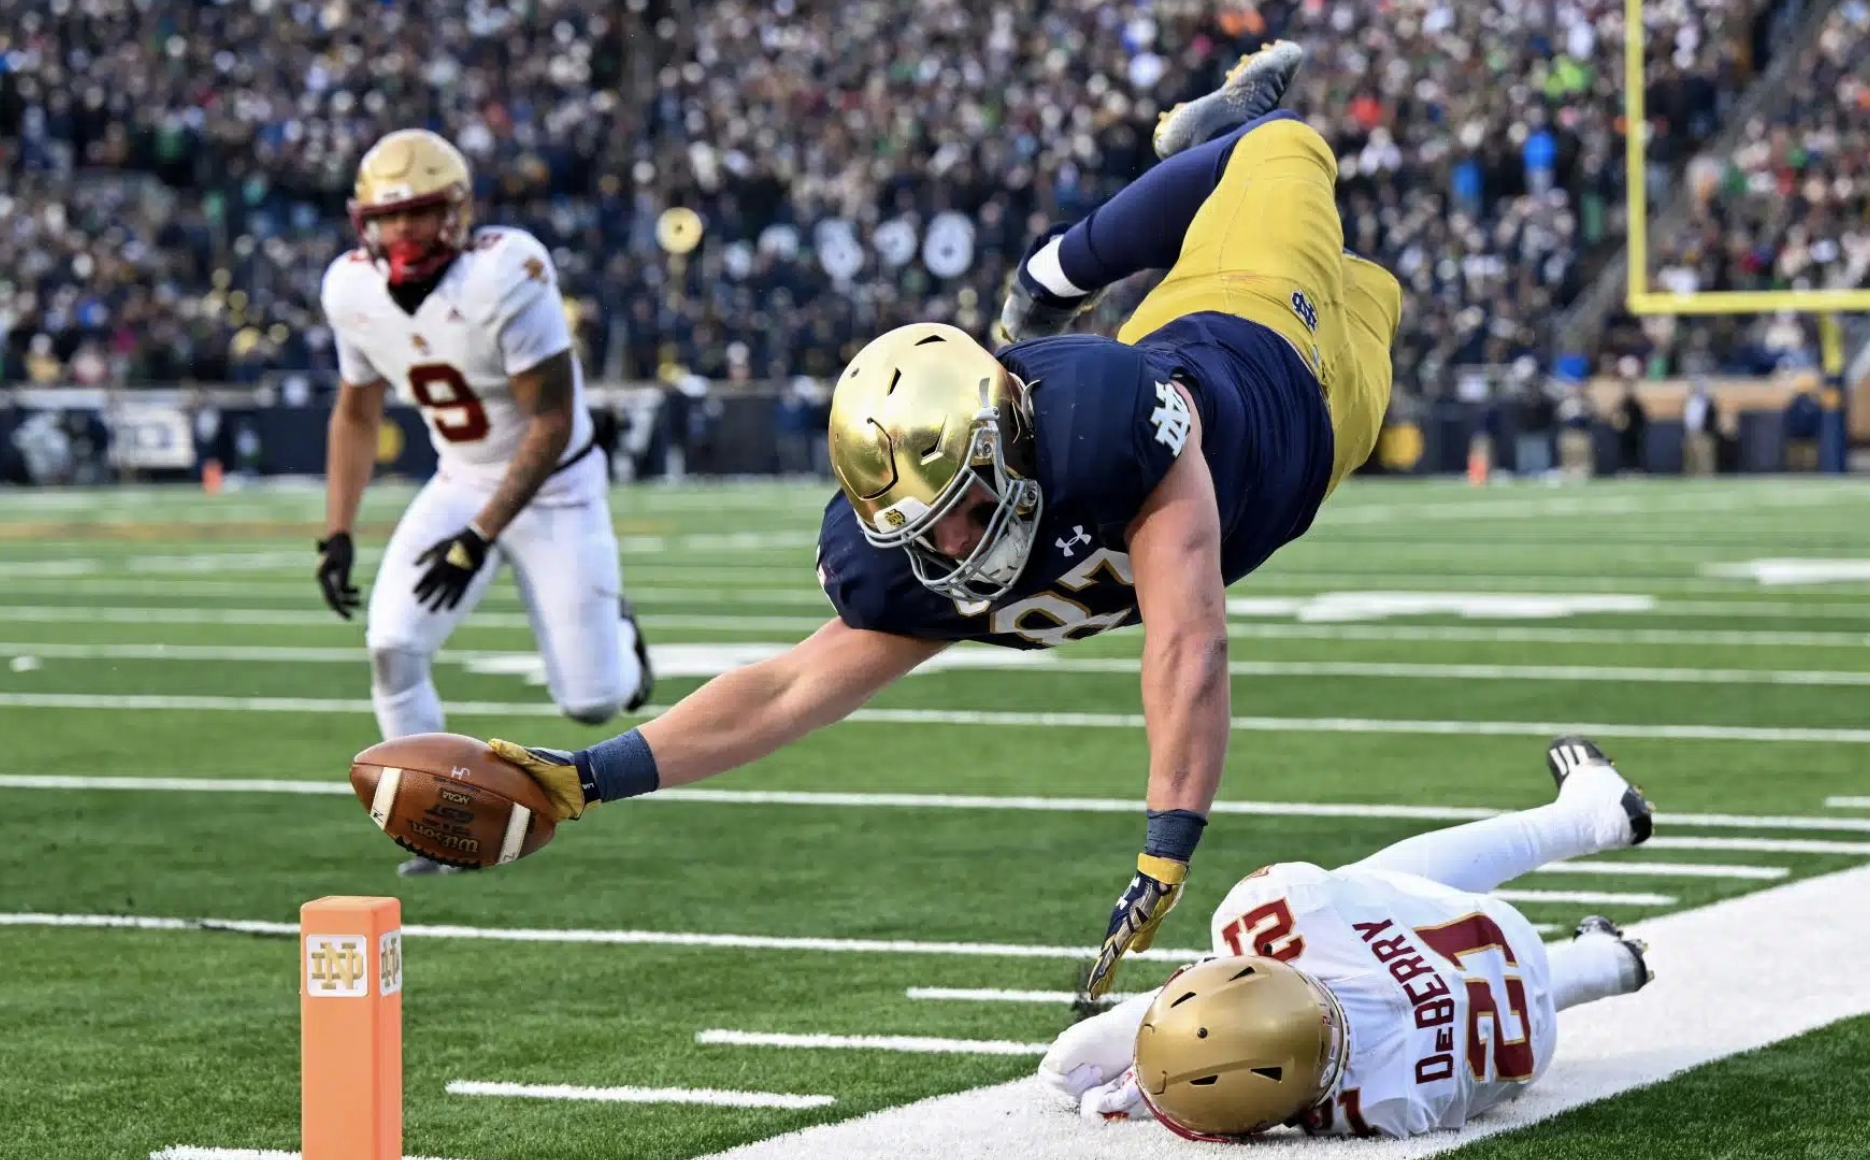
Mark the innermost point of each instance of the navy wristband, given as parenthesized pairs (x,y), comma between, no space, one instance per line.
(1173,834)
(622,767)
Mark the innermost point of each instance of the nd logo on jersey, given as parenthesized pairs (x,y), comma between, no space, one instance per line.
(1171,417)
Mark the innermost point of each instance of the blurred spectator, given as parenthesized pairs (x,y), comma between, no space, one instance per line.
(1700,430)
(1803,419)
(1577,449)
(1631,423)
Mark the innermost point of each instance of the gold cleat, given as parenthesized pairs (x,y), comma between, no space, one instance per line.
(1252,88)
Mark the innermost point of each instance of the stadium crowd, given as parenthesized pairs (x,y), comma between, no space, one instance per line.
(1788,206)
(179,171)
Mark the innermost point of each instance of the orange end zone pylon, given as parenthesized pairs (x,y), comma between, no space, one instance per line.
(351,1028)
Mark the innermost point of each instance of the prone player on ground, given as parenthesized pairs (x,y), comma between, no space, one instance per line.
(1393,996)
(1071,484)
(468,325)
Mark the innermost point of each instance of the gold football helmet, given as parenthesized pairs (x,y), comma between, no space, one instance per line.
(919,418)
(414,169)
(1235,1046)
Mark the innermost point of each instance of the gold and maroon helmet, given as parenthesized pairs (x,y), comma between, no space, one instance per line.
(1234,1046)
(414,169)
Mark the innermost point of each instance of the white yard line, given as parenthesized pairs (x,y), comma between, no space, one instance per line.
(1033,662)
(1762,845)
(995,995)
(1847,803)
(1509,634)
(1615,867)
(708,1097)
(1796,931)
(835,800)
(801,625)
(911,1044)
(1588,897)
(984,717)
(661,938)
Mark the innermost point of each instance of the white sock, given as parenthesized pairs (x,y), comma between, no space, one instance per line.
(1591,967)
(1598,790)
(417,709)
(1047,271)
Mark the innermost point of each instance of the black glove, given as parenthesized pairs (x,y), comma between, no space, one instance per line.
(335,558)
(452,563)
(1030,310)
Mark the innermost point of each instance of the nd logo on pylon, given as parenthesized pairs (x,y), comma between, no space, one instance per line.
(336,966)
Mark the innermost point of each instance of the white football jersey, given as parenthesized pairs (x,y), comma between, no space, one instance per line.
(1446,994)
(495,313)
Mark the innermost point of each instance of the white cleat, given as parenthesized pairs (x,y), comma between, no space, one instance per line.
(1576,761)
(1638,975)
(1252,89)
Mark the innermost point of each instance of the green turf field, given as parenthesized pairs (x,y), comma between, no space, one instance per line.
(1414,650)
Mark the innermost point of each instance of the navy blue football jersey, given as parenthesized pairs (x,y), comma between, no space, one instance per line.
(1109,425)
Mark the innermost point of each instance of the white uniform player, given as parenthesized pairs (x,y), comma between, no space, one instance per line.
(468,325)
(1448,996)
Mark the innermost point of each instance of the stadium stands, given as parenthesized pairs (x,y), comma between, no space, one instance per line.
(183,167)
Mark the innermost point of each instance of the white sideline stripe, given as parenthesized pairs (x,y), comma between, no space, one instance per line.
(756,942)
(1667,870)
(1847,803)
(1798,930)
(1042,663)
(637,1095)
(912,1044)
(190,1152)
(821,800)
(1593,897)
(1760,733)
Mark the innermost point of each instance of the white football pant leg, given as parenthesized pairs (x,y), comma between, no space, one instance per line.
(565,560)
(1478,856)
(402,635)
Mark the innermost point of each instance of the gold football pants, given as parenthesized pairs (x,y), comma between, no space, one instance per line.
(1267,246)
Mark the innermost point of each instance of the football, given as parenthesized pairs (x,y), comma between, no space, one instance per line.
(451,798)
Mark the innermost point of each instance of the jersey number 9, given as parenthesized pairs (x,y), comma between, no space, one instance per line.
(455,409)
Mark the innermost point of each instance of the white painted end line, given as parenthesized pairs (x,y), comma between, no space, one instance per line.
(1668,870)
(913,1044)
(1603,1048)
(1847,803)
(637,1095)
(1594,897)
(1762,845)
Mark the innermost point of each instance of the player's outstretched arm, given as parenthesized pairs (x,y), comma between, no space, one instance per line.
(350,456)
(738,717)
(1175,554)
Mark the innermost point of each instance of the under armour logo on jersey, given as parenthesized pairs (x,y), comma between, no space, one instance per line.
(1171,417)
(455,315)
(1078,536)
